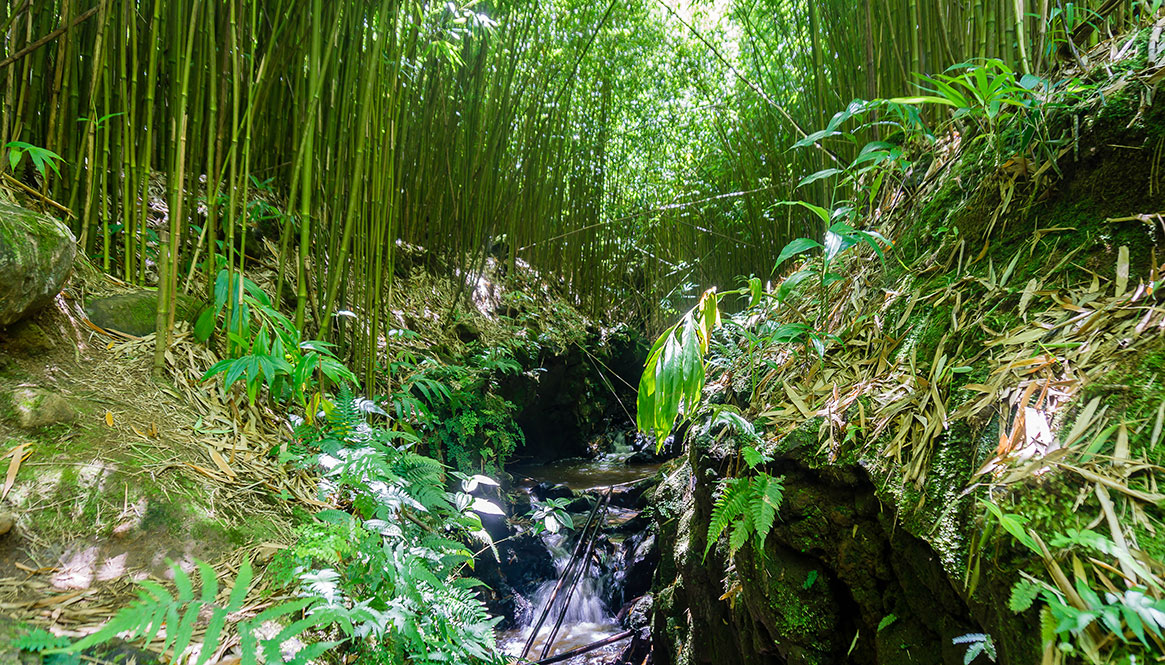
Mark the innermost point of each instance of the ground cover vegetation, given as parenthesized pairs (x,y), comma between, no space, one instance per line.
(294,165)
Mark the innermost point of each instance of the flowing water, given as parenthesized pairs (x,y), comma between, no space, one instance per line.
(588,618)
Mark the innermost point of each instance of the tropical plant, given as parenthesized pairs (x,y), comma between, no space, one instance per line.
(552,515)
(981,93)
(673,377)
(811,284)
(748,503)
(977,643)
(264,347)
(179,614)
(1074,611)
(386,568)
(40,157)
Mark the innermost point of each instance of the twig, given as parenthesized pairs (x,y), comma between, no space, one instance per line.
(42,197)
(583,649)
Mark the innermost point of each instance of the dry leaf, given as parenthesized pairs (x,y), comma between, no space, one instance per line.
(1122,270)
(18,455)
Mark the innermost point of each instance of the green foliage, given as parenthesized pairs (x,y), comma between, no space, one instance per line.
(750,506)
(41,157)
(180,614)
(977,643)
(748,503)
(1128,616)
(459,410)
(264,346)
(385,569)
(809,285)
(673,378)
(551,516)
(39,639)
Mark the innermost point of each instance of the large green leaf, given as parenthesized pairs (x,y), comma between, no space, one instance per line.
(794,248)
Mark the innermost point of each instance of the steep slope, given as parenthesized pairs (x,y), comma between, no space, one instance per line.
(1009,350)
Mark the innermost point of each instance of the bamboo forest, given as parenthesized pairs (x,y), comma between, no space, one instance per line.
(642,332)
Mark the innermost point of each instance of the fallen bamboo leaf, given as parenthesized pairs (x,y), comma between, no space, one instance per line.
(1112,484)
(18,456)
(1157,426)
(1083,422)
(1122,270)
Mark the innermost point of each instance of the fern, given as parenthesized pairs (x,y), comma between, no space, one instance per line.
(977,643)
(180,613)
(38,640)
(748,504)
(1023,594)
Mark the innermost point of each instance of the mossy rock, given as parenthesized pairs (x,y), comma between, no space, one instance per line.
(135,313)
(36,407)
(36,256)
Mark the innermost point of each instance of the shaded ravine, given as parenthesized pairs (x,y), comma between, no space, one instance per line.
(617,572)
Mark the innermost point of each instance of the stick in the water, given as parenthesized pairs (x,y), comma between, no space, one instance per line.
(583,649)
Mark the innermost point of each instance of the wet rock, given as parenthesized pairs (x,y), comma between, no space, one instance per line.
(633,495)
(37,407)
(36,256)
(545,491)
(135,313)
(636,616)
(583,504)
(642,557)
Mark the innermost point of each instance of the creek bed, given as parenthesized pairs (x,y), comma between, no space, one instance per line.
(588,618)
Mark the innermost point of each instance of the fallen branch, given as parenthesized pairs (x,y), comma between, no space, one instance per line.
(584,649)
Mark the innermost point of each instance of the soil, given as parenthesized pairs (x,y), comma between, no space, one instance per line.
(113,496)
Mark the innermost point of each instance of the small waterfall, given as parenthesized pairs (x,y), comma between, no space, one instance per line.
(587,617)
(599,605)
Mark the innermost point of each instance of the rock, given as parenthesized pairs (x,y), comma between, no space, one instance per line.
(134,313)
(25,338)
(637,617)
(7,521)
(583,504)
(36,255)
(37,407)
(544,491)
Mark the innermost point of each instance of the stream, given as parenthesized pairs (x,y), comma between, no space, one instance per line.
(599,601)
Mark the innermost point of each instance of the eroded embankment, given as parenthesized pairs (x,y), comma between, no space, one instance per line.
(1010,349)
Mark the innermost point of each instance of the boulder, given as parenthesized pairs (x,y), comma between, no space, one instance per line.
(26,338)
(135,313)
(37,407)
(544,491)
(36,255)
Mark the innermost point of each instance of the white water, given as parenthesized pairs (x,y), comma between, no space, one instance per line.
(586,621)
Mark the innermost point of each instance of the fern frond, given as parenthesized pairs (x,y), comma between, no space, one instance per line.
(731,504)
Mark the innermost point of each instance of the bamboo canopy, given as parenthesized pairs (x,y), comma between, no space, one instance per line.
(633,149)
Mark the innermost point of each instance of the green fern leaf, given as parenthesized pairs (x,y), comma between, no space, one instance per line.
(214,628)
(182,582)
(39,639)
(739,536)
(1023,594)
(731,504)
(209,582)
(763,509)
(242,585)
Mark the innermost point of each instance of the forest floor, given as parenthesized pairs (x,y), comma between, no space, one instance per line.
(134,473)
